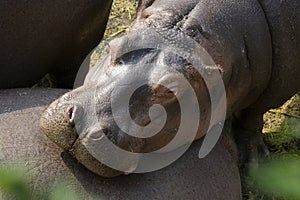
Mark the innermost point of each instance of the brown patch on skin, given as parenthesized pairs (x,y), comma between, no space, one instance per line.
(204,103)
(162,95)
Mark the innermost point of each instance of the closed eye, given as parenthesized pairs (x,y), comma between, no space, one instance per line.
(146,55)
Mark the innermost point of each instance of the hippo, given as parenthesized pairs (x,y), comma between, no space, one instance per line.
(40,37)
(215,177)
(255,50)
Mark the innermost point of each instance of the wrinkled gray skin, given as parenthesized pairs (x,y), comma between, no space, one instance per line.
(40,37)
(215,177)
(254,43)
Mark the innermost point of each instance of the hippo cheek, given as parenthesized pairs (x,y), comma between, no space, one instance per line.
(56,125)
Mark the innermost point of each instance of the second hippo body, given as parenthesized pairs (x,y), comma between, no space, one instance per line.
(40,37)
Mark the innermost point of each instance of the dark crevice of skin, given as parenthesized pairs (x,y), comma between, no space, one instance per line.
(73,143)
(246,52)
(193,31)
(196,31)
(269,27)
(182,22)
(184,17)
(272,43)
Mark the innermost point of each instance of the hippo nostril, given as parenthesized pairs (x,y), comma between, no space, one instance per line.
(71,115)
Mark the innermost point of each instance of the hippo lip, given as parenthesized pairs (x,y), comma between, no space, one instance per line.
(74,141)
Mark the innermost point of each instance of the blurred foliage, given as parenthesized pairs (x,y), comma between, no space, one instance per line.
(14,181)
(15,184)
(279,178)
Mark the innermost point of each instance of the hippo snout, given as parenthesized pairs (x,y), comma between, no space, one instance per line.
(62,123)
(57,123)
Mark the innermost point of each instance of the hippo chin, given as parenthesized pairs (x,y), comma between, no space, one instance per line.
(254,51)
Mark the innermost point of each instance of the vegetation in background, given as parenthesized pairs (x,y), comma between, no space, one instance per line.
(121,16)
(282,127)
(278,178)
(15,184)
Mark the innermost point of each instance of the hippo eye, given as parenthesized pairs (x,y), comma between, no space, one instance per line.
(134,57)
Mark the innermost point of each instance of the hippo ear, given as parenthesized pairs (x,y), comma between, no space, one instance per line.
(168,89)
(142,5)
(115,50)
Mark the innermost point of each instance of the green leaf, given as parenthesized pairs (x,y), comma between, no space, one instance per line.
(280,177)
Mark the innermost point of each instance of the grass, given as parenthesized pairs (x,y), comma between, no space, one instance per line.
(122,14)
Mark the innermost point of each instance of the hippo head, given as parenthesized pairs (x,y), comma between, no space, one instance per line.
(132,103)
